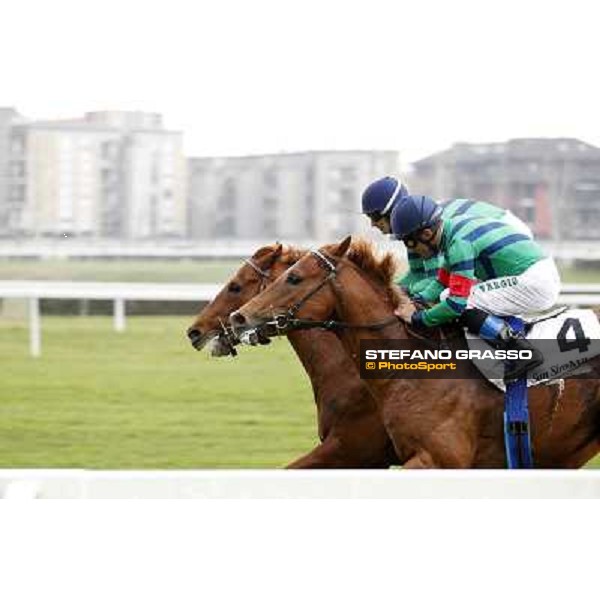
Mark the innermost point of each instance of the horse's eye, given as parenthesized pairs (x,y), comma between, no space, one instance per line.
(293,279)
(234,287)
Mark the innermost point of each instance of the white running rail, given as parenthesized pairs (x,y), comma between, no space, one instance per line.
(120,292)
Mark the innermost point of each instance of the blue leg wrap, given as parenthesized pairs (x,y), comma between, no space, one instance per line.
(517,439)
(492,327)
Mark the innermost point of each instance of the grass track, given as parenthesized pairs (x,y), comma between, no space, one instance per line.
(145,399)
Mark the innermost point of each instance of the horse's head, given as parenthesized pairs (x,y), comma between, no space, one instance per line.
(253,276)
(302,291)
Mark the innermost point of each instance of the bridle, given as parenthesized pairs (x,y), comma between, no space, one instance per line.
(331,270)
(289,321)
(264,275)
(226,335)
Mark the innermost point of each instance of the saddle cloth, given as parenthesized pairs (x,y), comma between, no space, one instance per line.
(568,339)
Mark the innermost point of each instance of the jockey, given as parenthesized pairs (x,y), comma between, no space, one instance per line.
(465,209)
(382,196)
(490,268)
(378,200)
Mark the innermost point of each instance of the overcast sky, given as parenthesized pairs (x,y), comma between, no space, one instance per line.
(266,76)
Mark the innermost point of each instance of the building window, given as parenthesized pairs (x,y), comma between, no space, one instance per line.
(269,227)
(228,196)
(17,194)
(18,169)
(154,172)
(17,144)
(526,210)
(346,200)
(224,227)
(269,211)
(225,218)
(270,178)
(347,175)
(108,150)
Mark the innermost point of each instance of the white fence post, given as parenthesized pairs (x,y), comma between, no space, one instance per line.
(119,314)
(35,336)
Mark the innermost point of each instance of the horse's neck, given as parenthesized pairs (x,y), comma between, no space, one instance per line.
(324,359)
(308,350)
(361,301)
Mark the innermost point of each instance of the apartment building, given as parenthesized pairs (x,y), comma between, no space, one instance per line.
(111,174)
(292,196)
(552,184)
(8,118)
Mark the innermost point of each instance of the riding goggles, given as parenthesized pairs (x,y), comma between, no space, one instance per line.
(410,241)
(376,215)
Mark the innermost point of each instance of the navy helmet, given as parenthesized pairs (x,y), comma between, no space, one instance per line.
(380,197)
(414,213)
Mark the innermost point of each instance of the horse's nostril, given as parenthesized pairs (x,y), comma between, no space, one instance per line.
(193,334)
(238,318)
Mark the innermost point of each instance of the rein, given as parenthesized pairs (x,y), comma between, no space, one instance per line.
(282,323)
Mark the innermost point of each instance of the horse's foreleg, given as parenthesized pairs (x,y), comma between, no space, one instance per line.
(326,455)
(444,455)
(332,454)
(421,460)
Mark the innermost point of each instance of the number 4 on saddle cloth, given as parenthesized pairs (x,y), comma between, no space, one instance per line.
(568,339)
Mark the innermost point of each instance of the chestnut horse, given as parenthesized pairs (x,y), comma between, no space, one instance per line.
(432,423)
(349,426)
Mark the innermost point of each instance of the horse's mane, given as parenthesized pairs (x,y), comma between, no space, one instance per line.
(292,255)
(381,269)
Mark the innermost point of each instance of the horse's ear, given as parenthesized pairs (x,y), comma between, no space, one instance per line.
(277,250)
(342,247)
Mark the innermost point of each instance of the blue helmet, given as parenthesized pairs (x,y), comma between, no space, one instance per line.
(382,195)
(414,213)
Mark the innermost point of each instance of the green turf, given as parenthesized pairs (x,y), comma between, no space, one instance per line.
(181,271)
(145,399)
(580,275)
